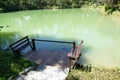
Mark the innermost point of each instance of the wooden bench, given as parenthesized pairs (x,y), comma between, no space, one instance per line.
(20,45)
(74,55)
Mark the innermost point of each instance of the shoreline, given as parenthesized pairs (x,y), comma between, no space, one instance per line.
(101,10)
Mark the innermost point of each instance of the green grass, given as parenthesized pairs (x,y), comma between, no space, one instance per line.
(11,66)
(95,74)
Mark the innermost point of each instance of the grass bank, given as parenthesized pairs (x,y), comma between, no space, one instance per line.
(95,74)
(11,66)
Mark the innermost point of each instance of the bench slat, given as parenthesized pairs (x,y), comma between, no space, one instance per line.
(23,47)
(20,45)
(19,40)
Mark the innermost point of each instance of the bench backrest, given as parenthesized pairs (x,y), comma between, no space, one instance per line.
(20,44)
(78,50)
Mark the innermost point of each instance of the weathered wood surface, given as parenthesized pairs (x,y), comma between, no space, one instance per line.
(74,55)
(48,58)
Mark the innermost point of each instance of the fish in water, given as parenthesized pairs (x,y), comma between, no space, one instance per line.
(7,26)
(1,26)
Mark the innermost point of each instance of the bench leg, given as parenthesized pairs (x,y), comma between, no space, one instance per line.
(17,53)
(33,43)
(74,65)
(31,47)
(69,63)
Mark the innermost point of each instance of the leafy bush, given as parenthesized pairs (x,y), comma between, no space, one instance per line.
(11,66)
(107,7)
(1,10)
(95,74)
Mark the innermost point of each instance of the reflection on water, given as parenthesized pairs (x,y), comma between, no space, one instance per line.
(99,32)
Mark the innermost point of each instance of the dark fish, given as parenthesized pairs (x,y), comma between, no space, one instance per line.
(1,26)
(7,26)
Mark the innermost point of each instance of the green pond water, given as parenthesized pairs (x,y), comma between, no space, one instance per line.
(100,33)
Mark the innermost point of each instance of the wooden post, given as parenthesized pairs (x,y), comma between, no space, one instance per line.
(69,63)
(29,42)
(74,44)
(33,43)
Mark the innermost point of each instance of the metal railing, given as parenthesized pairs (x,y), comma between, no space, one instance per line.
(34,45)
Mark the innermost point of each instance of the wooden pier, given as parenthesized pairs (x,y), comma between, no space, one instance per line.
(45,57)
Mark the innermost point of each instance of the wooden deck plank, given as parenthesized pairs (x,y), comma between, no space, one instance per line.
(49,57)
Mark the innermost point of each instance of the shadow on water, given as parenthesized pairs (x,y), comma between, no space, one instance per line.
(52,45)
(85,51)
(83,61)
(1,27)
(6,38)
